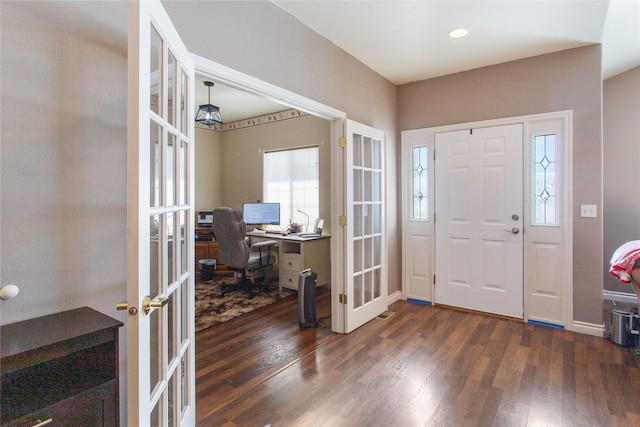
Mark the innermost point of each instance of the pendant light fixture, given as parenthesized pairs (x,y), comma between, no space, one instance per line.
(209,114)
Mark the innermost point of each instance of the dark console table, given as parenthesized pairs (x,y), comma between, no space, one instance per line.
(60,370)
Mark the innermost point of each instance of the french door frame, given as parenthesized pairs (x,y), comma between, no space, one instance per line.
(237,80)
(426,137)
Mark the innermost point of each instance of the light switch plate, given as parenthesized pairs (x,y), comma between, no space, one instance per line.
(588,211)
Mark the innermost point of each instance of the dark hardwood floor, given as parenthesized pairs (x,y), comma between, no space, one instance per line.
(423,365)
(235,356)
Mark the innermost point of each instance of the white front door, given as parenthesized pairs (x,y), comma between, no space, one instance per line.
(366,281)
(160,215)
(479,218)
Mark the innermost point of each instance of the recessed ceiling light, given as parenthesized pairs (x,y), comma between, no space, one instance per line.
(458,32)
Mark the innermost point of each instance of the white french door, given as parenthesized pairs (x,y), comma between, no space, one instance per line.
(479,207)
(160,297)
(366,284)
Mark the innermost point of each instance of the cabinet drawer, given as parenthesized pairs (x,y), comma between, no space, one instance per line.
(95,407)
(290,262)
(289,279)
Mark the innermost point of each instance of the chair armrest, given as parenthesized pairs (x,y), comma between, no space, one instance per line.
(263,244)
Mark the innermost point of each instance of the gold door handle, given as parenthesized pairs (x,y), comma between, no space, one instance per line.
(158,302)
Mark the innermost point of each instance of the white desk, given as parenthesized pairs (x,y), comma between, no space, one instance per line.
(296,254)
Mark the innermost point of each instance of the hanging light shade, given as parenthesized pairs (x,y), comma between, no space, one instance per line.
(209,114)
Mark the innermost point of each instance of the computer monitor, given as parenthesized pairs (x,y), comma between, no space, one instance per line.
(261,213)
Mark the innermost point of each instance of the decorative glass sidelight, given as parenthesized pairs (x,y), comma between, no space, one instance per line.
(545,180)
(420,183)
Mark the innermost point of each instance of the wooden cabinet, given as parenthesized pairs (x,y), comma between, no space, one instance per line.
(62,367)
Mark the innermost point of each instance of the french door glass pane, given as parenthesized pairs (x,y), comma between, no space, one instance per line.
(171,167)
(377,154)
(357,185)
(171,247)
(155,60)
(367,219)
(357,255)
(366,156)
(357,150)
(368,253)
(377,223)
(377,283)
(357,291)
(377,186)
(182,228)
(155,164)
(368,287)
(184,162)
(357,220)
(367,188)
(184,314)
(171,308)
(155,349)
(183,128)
(155,258)
(184,398)
(377,251)
(171,398)
(171,89)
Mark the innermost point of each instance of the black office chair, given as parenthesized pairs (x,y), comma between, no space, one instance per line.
(254,264)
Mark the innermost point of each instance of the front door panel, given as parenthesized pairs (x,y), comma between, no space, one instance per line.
(479,210)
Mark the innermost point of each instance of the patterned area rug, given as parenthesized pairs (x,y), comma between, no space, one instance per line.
(211,309)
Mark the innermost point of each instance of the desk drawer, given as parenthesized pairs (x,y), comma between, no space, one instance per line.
(289,280)
(290,262)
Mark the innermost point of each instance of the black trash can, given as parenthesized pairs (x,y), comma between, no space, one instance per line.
(206,268)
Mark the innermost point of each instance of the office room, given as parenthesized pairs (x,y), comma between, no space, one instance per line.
(65,211)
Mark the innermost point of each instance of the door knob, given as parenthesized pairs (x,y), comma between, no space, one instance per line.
(157,302)
(514,230)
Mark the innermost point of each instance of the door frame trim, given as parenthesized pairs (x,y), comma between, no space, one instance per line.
(244,82)
(428,136)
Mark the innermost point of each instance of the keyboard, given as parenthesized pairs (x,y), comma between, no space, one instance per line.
(308,235)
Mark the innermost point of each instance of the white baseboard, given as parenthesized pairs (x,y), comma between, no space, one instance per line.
(396,296)
(619,297)
(587,328)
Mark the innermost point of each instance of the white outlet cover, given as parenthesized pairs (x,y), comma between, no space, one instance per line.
(588,211)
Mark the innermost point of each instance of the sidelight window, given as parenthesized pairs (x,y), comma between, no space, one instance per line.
(420,184)
(545,180)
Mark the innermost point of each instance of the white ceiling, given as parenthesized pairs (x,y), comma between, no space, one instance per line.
(407,41)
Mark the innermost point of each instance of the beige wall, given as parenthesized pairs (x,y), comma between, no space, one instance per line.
(621,206)
(242,152)
(259,39)
(63,151)
(208,174)
(567,80)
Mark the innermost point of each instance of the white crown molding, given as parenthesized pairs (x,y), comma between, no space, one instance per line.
(255,121)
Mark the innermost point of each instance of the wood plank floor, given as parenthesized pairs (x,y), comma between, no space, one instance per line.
(235,356)
(423,365)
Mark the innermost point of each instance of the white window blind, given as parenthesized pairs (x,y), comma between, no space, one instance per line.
(291,178)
